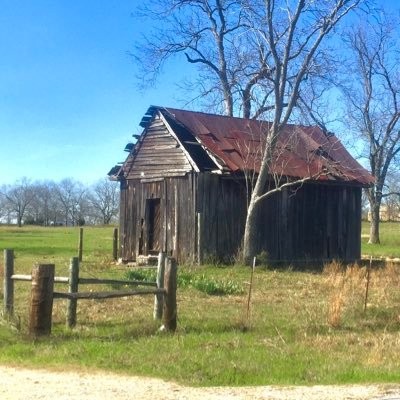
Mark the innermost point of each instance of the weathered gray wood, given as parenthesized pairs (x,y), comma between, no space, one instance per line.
(73,288)
(80,245)
(41,306)
(8,282)
(159,298)
(115,244)
(170,311)
(152,159)
(199,241)
(94,281)
(367,284)
(105,295)
(20,277)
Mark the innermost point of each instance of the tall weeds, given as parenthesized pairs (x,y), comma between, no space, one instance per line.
(346,286)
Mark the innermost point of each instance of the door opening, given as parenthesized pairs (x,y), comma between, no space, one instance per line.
(153,208)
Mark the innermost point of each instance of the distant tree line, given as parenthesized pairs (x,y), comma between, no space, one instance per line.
(68,202)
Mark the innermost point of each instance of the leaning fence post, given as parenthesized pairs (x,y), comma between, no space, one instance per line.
(115,244)
(41,306)
(80,246)
(169,312)
(159,297)
(8,282)
(72,288)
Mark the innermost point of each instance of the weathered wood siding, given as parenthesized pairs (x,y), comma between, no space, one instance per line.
(316,224)
(221,202)
(159,155)
(178,225)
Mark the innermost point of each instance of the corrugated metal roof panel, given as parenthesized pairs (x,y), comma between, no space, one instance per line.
(301,151)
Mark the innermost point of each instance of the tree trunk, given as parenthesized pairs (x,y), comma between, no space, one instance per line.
(250,247)
(250,233)
(374,228)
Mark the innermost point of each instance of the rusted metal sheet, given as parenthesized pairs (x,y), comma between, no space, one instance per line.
(238,145)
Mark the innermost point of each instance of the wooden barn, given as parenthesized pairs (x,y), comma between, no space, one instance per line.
(185,185)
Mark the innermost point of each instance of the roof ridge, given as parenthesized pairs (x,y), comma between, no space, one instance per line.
(232,117)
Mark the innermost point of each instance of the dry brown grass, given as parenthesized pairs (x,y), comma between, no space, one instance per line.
(347,288)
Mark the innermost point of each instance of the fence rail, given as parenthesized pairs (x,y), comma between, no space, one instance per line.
(87,281)
(42,292)
(106,295)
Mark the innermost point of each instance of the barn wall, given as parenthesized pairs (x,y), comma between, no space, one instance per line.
(128,214)
(178,228)
(316,224)
(221,202)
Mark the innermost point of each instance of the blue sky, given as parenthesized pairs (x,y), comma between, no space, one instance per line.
(69,100)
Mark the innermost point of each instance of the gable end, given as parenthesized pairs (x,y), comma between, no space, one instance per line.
(158,154)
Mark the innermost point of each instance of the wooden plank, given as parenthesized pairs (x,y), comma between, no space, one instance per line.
(161,163)
(172,133)
(8,282)
(162,171)
(115,244)
(158,298)
(80,245)
(73,288)
(106,295)
(157,174)
(170,312)
(28,278)
(95,281)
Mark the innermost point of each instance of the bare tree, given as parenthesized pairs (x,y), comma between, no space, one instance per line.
(104,198)
(5,211)
(373,103)
(38,211)
(48,202)
(257,56)
(219,38)
(294,35)
(18,198)
(392,196)
(71,195)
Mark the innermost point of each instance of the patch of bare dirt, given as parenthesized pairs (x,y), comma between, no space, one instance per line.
(23,384)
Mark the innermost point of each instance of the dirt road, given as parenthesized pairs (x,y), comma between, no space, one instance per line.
(23,384)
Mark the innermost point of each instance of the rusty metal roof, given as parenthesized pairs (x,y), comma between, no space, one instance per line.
(237,145)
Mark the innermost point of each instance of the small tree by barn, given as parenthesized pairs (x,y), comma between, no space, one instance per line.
(294,37)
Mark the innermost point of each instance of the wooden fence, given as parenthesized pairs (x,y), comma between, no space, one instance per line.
(42,292)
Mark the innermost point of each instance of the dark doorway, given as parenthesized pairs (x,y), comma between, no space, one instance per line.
(153,225)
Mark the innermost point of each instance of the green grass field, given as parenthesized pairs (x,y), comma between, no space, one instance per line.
(390,240)
(304,327)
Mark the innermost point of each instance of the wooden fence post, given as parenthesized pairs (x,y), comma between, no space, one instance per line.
(41,299)
(170,313)
(72,288)
(159,298)
(115,244)
(80,246)
(199,240)
(8,282)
